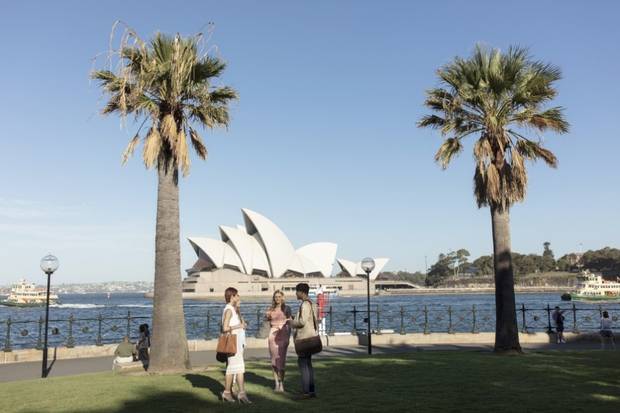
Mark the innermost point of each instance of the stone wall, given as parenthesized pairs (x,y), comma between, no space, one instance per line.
(340,340)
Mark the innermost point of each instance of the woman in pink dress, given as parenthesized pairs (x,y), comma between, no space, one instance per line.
(279,335)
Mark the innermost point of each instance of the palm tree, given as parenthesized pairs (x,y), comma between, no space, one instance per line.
(167,85)
(500,99)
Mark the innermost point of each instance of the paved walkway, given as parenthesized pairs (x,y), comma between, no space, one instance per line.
(32,370)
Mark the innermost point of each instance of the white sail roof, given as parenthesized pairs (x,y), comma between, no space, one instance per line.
(279,250)
(218,252)
(355,268)
(248,248)
(261,247)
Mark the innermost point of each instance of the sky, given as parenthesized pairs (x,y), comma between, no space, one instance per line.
(323,139)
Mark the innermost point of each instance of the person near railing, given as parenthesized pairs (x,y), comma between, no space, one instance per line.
(233,322)
(305,326)
(558,319)
(143,345)
(279,337)
(606,330)
(124,352)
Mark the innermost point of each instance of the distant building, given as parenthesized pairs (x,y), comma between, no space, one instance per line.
(257,258)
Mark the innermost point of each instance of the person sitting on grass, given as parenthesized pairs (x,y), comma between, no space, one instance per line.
(124,352)
(606,331)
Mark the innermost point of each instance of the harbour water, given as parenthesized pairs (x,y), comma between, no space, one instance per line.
(94,319)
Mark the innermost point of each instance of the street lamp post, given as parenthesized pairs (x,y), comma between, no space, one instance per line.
(49,264)
(368,264)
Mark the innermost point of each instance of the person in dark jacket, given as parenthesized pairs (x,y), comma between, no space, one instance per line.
(143,344)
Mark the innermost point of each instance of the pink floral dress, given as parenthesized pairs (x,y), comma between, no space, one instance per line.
(279,336)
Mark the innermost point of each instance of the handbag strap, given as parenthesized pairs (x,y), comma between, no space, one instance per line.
(312,311)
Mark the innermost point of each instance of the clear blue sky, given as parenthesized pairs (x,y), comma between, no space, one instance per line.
(323,140)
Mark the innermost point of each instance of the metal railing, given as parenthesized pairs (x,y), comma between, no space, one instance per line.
(426,319)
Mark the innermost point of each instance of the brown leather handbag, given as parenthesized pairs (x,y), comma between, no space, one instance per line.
(226,347)
(312,345)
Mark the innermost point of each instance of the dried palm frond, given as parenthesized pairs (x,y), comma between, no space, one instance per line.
(130,148)
(199,146)
(152,147)
(182,154)
(168,129)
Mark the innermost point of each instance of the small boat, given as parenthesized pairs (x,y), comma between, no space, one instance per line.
(25,294)
(592,287)
(566,297)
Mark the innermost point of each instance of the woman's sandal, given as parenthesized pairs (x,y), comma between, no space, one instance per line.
(243,398)
(227,397)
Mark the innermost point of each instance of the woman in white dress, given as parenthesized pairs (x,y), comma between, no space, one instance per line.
(233,322)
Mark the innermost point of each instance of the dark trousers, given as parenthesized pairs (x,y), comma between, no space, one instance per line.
(307,373)
(143,356)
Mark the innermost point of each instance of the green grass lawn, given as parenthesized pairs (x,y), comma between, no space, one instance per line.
(418,382)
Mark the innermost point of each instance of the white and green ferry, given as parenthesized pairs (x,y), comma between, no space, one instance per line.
(25,294)
(592,287)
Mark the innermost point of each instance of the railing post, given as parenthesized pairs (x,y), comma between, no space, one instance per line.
(549,330)
(575,329)
(402,320)
(258,321)
(426,320)
(331,321)
(70,341)
(99,341)
(39,345)
(523,326)
(473,319)
(208,324)
(7,342)
(129,324)
(354,332)
(378,320)
(450,331)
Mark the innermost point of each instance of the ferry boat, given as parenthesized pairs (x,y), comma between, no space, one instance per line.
(25,294)
(592,287)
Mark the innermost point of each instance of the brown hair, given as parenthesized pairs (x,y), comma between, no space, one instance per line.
(230,293)
(273,300)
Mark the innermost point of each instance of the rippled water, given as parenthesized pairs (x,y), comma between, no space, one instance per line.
(420,313)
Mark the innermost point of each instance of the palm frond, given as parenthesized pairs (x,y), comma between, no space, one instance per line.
(182,154)
(450,148)
(533,151)
(152,147)
(130,148)
(199,146)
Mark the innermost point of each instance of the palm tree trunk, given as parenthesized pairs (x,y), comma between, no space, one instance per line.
(169,342)
(506,329)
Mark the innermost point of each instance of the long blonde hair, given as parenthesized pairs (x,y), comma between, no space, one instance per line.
(273,300)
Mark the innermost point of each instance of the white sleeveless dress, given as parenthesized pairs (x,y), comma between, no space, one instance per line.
(235,363)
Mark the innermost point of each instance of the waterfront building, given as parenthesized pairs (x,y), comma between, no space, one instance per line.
(257,258)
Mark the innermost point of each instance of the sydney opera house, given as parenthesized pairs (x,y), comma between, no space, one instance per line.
(257,258)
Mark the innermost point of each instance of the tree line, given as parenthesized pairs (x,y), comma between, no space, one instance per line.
(455,264)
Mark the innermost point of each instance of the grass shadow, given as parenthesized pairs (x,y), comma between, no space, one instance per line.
(205,382)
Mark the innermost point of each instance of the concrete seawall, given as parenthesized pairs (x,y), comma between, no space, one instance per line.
(340,340)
